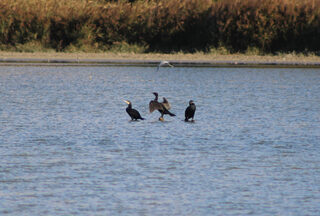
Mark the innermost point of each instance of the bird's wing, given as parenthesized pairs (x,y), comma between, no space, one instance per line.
(154,105)
(166,104)
(135,113)
(187,112)
(170,65)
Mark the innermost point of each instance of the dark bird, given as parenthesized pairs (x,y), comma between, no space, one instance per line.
(134,114)
(189,113)
(163,107)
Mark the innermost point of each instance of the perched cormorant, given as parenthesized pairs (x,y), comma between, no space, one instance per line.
(163,63)
(161,107)
(134,114)
(191,109)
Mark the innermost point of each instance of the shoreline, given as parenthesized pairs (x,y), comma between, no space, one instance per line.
(153,59)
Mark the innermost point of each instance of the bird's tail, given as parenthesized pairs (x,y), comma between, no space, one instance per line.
(168,112)
(142,118)
(171,114)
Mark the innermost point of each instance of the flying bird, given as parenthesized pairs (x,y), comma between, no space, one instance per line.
(133,113)
(191,109)
(163,107)
(164,63)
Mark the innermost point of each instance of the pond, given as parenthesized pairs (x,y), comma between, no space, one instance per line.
(68,147)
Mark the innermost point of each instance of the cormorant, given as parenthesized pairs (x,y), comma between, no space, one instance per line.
(134,114)
(163,63)
(191,109)
(161,107)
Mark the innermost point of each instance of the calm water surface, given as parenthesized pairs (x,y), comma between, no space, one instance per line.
(67,146)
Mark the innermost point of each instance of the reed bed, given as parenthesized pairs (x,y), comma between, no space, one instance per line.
(163,26)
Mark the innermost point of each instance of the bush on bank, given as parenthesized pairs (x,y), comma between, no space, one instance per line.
(163,26)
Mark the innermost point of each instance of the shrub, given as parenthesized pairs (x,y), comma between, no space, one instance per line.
(165,26)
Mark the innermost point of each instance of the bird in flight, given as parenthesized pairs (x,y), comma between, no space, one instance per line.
(164,63)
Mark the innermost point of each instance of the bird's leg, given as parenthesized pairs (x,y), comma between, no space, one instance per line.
(161,117)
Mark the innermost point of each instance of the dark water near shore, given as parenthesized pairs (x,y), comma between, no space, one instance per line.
(67,146)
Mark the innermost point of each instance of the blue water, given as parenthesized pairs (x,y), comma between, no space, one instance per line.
(68,147)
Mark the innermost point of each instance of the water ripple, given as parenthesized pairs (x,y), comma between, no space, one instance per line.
(67,146)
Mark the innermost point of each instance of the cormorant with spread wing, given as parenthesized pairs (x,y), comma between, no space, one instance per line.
(134,114)
(191,109)
(163,107)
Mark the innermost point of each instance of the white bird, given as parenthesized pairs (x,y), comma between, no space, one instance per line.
(163,63)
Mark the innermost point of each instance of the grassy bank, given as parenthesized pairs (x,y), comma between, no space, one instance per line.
(214,59)
(165,26)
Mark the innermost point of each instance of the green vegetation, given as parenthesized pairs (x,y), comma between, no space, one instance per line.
(268,26)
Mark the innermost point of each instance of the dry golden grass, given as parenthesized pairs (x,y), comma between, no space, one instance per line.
(161,26)
(196,57)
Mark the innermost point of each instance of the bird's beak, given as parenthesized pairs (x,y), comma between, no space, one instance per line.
(127,102)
